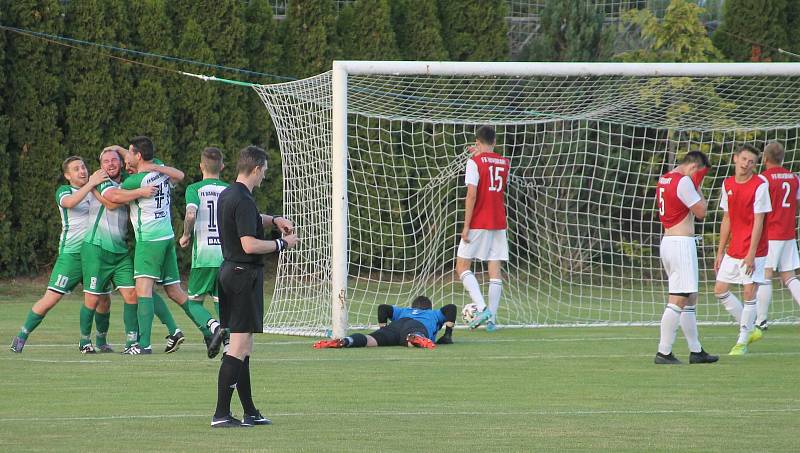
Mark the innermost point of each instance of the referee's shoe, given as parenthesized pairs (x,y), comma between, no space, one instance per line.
(227,421)
(255,419)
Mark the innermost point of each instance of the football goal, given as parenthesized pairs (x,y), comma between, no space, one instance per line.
(373,156)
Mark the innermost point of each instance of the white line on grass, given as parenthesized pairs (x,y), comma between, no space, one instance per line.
(735,411)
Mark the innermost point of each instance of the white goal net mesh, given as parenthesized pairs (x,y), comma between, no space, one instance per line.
(585,154)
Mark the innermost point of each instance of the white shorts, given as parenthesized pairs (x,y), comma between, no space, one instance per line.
(679,257)
(485,245)
(731,270)
(783,256)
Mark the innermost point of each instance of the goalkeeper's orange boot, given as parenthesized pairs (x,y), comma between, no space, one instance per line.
(419,341)
(322,344)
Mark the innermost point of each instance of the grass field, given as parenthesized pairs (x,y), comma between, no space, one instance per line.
(514,390)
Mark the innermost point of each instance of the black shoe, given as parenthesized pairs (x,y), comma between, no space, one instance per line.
(255,419)
(135,349)
(702,357)
(227,422)
(174,341)
(763,325)
(215,342)
(668,359)
(445,339)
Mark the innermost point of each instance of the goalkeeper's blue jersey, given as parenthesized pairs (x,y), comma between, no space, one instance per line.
(433,320)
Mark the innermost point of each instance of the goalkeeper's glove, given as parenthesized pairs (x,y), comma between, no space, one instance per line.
(697,177)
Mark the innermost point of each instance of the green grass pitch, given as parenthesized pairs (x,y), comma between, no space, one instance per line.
(514,390)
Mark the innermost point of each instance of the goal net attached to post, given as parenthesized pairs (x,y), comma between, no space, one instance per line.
(373,158)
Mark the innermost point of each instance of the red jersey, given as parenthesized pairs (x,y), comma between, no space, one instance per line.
(674,197)
(783,193)
(741,202)
(489,172)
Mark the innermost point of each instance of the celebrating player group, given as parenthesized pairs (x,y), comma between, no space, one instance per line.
(757,239)
(132,185)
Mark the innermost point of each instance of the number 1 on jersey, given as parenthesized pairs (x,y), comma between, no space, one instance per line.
(212,217)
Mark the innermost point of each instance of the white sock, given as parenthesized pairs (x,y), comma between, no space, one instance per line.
(473,288)
(748,320)
(689,327)
(763,298)
(669,328)
(731,304)
(794,287)
(495,290)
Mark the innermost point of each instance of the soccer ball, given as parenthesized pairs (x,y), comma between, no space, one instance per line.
(469,312)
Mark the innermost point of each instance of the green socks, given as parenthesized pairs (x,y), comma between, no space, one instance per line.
(216,307)
(131,321)
(86,317)
(31,322)
(163,313)
(198,314)
(144,314)
(101,320)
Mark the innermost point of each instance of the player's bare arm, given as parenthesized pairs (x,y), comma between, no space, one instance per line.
(104,201)
(188,226)
(70,201)
(254,246)
(724,235)
(124,196)
(284,225)
(755,237)
(469,206)
(172,173)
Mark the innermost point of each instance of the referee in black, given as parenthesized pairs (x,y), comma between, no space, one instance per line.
(241,283)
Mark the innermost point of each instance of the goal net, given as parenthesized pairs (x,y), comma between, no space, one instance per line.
(373,158)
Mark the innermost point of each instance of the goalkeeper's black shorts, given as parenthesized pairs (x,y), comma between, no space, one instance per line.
(395,333)
(241,297)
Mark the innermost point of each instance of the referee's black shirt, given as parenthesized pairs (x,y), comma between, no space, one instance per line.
(238,216)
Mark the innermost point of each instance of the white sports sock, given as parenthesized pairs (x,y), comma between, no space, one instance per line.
(669,328)
(763,298)
(495,290)
(473,288)
(731,304)
(748,320)
(689,327)
(794,287)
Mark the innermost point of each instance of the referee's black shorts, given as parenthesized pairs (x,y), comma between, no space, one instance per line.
(395,333)
(241,297)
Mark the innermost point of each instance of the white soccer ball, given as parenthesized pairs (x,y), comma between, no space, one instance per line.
(469,312)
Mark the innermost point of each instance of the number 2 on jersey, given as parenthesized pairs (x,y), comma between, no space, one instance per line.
(786,190)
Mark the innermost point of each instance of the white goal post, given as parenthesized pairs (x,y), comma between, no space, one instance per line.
(373,155)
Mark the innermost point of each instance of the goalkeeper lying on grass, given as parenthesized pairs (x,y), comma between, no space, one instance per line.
(415,326)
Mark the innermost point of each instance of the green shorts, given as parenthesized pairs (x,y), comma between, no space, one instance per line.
(102,268)
(66,273)
(156,260)
(202,281)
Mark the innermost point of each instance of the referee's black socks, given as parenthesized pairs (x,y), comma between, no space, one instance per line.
(229,372)
(243,388)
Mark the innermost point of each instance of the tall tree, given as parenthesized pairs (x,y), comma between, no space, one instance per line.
(88,85)
(679,37)
(34,88)
(6,250)
(475,31)
(309,37)
(418,30)
(570,31)
(365,31)
(746,23)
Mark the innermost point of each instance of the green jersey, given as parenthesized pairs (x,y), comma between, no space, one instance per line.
(108,228)
(151,217)
(74,220)
(203,195)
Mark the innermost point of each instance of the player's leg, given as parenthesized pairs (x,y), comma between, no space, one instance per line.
(467,251)
(126,285)
(789,279)
(88,309)
(775,262)
(729,272)
(102,320)
(66,275)
(788,268)
(229,371)
(144,314)
(689,327)
(495,291)
(196,312)
(98,270)
(748,318)
(202,281)
(251,415)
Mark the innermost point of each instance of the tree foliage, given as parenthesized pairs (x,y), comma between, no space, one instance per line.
(310,37)
(418,30)
(570,31)
(760,22)
(474,31)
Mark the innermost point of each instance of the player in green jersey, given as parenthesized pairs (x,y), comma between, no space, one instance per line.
(201,221)
(74,206)
(155,259)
